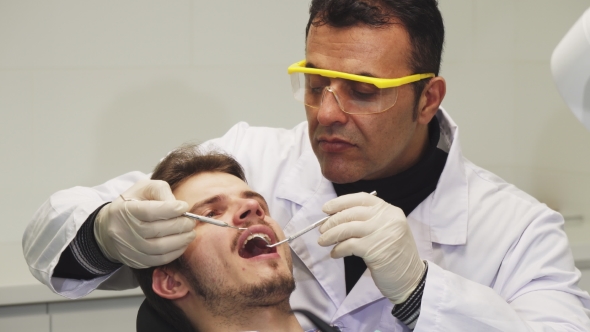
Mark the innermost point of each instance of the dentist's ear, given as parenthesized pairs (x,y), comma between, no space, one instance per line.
(169,284)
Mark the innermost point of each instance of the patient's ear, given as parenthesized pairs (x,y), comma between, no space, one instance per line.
(169,284)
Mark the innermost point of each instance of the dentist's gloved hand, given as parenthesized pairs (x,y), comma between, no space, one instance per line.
(144,233)
(368,227)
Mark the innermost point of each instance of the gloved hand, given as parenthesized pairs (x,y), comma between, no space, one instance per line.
(368,227)
(147,232)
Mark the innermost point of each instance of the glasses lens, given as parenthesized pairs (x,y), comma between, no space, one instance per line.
(354,97)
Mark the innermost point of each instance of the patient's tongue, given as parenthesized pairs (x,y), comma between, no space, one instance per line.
(259,242)
(254,247)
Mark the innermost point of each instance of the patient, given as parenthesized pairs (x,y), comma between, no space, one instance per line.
(225,280)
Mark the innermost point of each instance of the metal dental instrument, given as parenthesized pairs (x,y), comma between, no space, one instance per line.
(196,217)
(211,221)
(306,229)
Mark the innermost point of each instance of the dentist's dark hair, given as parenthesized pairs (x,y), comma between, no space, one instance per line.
(421,19)
(175,168)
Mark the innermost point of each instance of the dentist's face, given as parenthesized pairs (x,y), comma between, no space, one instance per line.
(223,260)
(357,147)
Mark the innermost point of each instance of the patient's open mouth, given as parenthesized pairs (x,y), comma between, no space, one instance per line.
(254,242)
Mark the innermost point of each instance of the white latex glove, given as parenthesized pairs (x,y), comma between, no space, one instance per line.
(144,233)
(368,227)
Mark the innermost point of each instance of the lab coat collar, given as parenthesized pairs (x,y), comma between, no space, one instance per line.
(445,211)
(304,179)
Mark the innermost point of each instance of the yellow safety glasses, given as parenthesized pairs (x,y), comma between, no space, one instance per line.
(355,94)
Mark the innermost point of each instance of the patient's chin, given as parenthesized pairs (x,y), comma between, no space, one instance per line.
(269,292)
(272,288)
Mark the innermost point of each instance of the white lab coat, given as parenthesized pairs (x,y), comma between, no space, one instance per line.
(498,259)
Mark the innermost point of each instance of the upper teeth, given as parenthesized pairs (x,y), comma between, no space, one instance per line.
(257,235)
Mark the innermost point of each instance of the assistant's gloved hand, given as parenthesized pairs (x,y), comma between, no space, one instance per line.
(368,227)
(144,233)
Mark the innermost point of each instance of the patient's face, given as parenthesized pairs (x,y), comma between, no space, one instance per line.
(222,259)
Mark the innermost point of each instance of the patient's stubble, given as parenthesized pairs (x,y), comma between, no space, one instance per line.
(221,299)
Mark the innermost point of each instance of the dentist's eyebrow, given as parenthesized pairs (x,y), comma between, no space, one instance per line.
(364,73)
(205,202)
(253,194)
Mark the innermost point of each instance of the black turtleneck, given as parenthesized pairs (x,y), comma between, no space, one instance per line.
(405,190)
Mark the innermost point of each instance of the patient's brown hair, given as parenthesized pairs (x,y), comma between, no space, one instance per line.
(176,167)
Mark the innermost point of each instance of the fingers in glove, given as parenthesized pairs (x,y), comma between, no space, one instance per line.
(348,248)
(155,190)
(161,228)
(357,213)
(155,210)
(164,245)
(166,258)
(353,229)
(347,201)
(133,258)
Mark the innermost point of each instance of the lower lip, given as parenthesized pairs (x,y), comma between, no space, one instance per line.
(334,146)
(273,255)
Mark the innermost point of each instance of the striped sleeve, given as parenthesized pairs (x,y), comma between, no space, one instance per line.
(82,259)
(409,311)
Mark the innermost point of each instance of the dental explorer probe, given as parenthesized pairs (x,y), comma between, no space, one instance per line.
(211,221)
(306,229)
(195,217)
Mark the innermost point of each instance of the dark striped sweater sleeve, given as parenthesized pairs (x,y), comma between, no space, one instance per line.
(82,258)
(409,311)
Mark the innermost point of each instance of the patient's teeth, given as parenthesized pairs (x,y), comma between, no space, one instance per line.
(260,235)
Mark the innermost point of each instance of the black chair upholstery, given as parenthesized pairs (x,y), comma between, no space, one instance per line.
(148,320)
(320,324)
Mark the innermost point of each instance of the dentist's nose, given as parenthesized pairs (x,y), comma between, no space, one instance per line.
(249,211)
(330,110)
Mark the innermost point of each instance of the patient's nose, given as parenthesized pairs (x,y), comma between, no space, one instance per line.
(249,211)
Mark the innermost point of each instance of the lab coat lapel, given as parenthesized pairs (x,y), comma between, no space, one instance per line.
(446,209)
(305,186)
(363,293)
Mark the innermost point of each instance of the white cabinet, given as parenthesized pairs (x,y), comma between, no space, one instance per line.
(97,315)
(24,318)
(111,315)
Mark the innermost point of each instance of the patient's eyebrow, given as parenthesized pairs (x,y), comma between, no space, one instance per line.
(253,194)
(207,201)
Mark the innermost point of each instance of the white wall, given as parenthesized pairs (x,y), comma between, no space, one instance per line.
(90,90)
(511,117)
